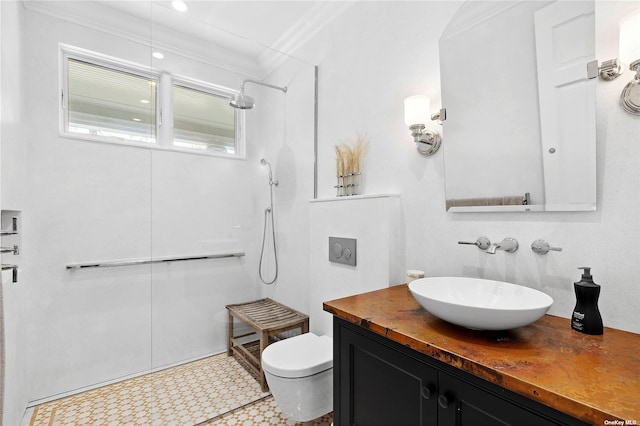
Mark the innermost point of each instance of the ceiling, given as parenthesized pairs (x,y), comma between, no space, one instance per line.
(259,30)
(264,22)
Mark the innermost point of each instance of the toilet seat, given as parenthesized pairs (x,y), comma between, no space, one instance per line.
(300,356)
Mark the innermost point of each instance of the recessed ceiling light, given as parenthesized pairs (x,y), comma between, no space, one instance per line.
(158,55)
(179,5)
(144,101)
(137,119)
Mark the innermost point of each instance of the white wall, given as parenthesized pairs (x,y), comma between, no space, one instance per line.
(378,53)
(374,222)
(14,295)
(289,148)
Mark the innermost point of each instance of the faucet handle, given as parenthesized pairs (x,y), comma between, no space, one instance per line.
(482,243)
(542,247)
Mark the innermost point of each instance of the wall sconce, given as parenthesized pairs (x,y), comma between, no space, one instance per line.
(416,114)
(630,54)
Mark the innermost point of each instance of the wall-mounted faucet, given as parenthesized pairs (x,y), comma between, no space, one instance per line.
(508,244)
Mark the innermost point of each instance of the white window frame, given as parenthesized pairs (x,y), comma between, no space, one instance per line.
(70,52)
(164,102)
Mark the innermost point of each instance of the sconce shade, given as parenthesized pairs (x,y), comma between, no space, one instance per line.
(630,39)
(416,110)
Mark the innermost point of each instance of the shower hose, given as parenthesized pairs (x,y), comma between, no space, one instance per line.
(269,212)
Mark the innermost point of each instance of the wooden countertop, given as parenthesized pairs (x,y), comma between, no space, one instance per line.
(593,378)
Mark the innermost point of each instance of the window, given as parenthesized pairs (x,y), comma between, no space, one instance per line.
(203,120)
(109,100)
(111,103)
(106,100)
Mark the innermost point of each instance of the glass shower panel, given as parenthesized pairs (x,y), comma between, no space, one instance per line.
(208,199)
(141,199)
(202,203)
(84,202)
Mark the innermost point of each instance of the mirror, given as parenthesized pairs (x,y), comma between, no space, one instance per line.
(520,128)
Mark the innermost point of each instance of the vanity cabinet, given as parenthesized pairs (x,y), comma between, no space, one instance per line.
(380,382)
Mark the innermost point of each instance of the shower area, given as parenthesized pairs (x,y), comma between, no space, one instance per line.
(132,241)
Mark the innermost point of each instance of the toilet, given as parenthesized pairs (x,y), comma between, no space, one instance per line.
(299,371)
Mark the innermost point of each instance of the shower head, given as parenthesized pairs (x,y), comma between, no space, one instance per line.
(264,162)
(242,101)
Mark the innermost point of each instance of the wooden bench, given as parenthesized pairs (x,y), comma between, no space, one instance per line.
(268,319)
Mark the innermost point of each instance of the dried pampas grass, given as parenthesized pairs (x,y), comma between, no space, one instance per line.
(349,155)
(348,158)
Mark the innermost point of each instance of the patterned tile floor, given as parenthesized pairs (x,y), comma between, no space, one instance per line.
(262,413)
(213,391)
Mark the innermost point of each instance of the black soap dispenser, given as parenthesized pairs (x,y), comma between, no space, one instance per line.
(586,316)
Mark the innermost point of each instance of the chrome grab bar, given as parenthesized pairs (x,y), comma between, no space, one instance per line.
(133,262)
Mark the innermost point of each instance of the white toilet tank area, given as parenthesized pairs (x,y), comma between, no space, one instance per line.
(373,221)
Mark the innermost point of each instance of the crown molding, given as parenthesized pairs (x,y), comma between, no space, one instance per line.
(310,24)
(473,13)
(98,17)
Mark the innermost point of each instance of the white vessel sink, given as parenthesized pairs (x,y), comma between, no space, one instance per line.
(480,304)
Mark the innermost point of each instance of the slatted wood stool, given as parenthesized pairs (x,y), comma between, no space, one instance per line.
(268,319)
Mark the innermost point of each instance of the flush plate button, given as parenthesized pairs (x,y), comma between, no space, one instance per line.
(342,250)
(337,250)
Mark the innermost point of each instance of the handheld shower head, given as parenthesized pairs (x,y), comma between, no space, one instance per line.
(271,181)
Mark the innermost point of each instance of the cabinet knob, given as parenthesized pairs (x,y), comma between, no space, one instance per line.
(444,400)
(428,391)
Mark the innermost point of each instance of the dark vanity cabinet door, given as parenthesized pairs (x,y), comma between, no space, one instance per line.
(461,403)
(381,386)
(380,382)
